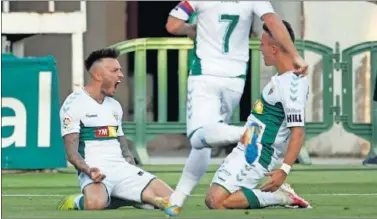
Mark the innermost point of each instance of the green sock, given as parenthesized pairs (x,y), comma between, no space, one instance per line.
(251,198)
(79,201)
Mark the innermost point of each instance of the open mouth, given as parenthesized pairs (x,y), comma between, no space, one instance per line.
(117,83)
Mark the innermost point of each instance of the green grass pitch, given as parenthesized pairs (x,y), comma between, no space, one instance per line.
(333,191)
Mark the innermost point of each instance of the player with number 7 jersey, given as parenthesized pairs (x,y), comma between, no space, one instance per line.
(216,79)
(222,35)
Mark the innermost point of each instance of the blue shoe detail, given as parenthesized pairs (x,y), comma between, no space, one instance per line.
(172,211)
(165,205)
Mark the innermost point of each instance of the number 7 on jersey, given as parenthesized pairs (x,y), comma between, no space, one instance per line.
(232,21)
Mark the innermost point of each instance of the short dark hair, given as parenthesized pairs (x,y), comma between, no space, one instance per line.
(287,25)
(100,54)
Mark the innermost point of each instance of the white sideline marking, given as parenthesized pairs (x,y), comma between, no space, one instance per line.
(195,195)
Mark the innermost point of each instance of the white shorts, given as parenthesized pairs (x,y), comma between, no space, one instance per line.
(123,180)
(235,173)
(211,99)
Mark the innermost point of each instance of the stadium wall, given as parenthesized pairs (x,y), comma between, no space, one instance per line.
(348,23)
(106,25)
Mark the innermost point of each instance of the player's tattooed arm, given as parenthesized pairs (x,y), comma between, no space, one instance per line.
(179,27)
(126,152)
(71,144)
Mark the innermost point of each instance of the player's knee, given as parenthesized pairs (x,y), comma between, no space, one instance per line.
(215,197)
(95,203)
(197,140)
(195,145)
(213,201)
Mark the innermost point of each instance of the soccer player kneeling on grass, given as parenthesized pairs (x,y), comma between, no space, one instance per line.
(276,124)
(94,141)
(217,78)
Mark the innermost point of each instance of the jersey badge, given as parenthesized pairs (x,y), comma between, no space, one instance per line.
(271,91)
(258,107)
(66,122)
(116,116)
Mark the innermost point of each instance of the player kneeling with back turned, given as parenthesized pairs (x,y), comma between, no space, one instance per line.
(93,138)
(278,115)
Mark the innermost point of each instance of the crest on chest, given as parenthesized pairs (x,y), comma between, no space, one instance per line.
(116,116)
(270,93)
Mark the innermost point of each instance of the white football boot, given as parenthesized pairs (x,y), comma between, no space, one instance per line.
(289,198)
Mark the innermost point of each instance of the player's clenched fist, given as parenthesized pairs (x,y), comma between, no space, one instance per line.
(96,175)
(300,65)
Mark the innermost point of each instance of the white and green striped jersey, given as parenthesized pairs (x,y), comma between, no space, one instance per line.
(280,107)
(98,126)
(222,35)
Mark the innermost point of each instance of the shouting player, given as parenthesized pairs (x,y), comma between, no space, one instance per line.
(275,125)
(217,77)
(93,137)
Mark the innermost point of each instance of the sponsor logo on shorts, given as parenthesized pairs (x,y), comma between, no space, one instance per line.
(221,179)
(225,172)
(140,173)
(106,131)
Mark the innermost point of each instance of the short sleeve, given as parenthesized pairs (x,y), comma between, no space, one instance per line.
(261,8)
(295,96)
(69,120)
(184,10)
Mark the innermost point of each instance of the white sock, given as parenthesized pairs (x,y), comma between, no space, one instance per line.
(259,199)
(77,201)
(220,134)
(196,166)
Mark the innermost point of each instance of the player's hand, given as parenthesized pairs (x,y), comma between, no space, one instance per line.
(277,179)
(96,175)
(300,65)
